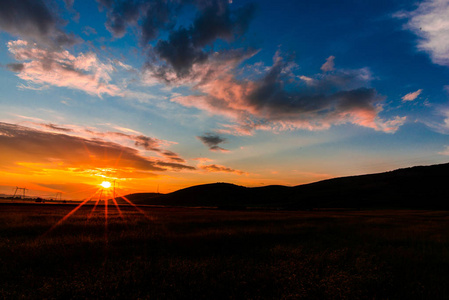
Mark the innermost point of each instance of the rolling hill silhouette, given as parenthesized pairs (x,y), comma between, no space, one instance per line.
(421,187)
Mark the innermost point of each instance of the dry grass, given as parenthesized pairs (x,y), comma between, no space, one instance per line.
(209,254)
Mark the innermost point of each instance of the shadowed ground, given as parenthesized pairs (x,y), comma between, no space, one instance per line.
(178,253)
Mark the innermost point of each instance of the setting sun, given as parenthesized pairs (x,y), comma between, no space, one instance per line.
(106,184)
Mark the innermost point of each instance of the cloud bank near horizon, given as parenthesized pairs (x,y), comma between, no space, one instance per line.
(27,146)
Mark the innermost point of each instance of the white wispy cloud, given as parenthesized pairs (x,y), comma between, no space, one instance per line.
(430,22)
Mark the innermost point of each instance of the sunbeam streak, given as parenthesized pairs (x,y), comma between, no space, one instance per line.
(118,208)
(106,217)
(67,216)
(95,206)
(137,208)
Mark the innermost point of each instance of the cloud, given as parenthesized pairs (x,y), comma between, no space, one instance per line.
(202,159)
(212,141)
(445,151)
(219,168)
(200,71)
(24,145)
(15,67)
(430,23)
(276,102)
(89,31)
(440,121)
(172,156)
(56,127)
(329,64)
(145,142)
(411,96)
(60,68)
(120,15)
(188,48)
(34,20)
(137,139)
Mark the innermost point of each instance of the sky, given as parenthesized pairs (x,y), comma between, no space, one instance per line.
(159,95)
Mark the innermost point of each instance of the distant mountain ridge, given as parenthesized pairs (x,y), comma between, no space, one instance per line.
(420,187)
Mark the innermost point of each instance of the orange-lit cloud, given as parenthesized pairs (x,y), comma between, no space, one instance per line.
(138,139)
(21,146)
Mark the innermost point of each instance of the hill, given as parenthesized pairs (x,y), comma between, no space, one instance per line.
(421,187)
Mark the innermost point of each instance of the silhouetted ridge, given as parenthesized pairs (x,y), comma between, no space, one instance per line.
(418,187)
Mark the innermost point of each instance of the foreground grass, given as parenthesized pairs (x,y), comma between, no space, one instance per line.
(179,253)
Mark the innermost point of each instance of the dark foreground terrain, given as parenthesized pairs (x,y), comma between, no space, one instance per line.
(176,253)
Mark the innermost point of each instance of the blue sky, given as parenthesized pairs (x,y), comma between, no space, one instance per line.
(248,92)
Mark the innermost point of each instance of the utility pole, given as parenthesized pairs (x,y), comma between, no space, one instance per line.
(114,188)
(58,194)
(20,189)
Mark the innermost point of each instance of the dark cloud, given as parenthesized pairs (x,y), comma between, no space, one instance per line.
(185,47)
(212,141)
(218,21)
(145,142)
(33,19)
(56,127)
(272,100)
(26,145)
(15,67)
(172,156)
(174,166)
(179,52)
(121,15)
(219,168)
(158,16)
(278,101)
(149,16)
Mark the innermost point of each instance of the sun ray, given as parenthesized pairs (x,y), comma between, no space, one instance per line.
(67,216)
(118,208)
(88,152)
(118,158)
(106,219)
(93,209)
(137,208)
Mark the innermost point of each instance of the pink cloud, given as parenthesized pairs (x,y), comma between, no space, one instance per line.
(60,68)
(329,64)
(266,104)
(411,96)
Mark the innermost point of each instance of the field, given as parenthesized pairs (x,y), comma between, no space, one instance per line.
(175,253)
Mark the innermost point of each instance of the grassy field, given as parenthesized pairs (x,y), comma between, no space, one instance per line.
(175,253)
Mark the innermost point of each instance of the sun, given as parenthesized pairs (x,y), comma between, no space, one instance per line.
(106,184)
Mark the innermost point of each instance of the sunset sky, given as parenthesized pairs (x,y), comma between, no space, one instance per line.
(174,93)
